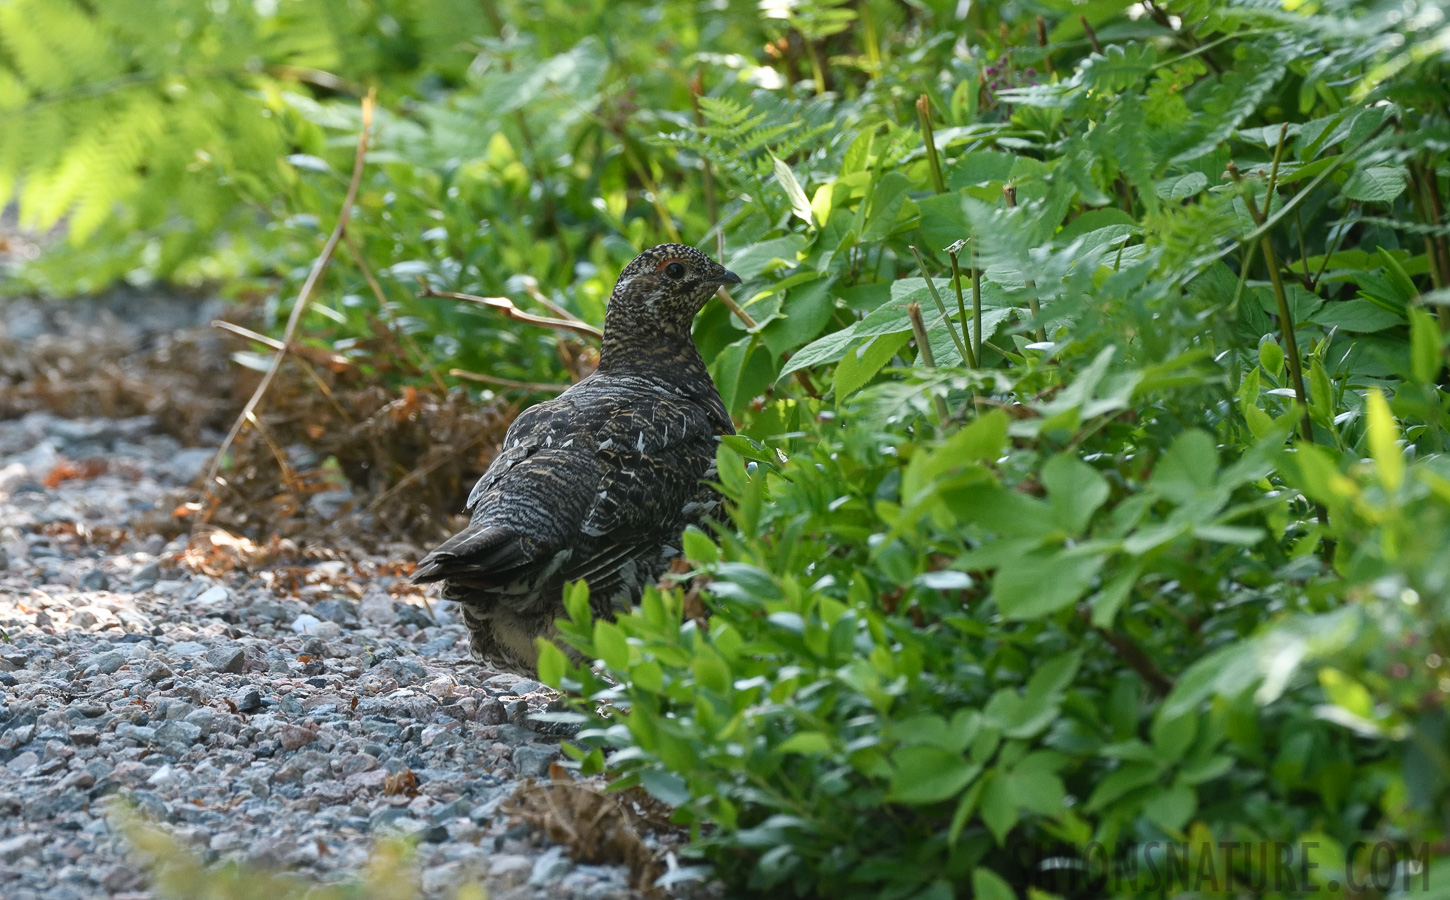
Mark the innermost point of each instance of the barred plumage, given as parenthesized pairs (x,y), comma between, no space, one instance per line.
(599,482)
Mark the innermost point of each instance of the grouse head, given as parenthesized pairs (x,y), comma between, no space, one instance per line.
(657,297)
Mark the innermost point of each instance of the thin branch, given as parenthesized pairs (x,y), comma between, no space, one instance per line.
(506,306)
(304,296)
(531,287)
(746,318)
(542,387)
(1129,652)
(923,345)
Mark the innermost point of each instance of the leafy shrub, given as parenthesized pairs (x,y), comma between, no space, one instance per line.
(1147,547)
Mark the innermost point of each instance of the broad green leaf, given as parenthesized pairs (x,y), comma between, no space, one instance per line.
(1181,187)
(861,365)
(1358,315)
(793,191)
(611,646)
(999,807)
(808,743)
(988,885)
(1187,468)
(1171,808)
(552,664)
(1075,490)
(1375,184)
(1043,582)
(925,774)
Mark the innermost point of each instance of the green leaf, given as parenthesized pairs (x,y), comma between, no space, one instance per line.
(610,645)
(1043,582)
(821,351)
(1384,441)
(1187,468)
(786,178)
(1170,809)
(698,547)
(1114,593)
(999,807)
(1358,315)
(1075,490)
(1375,184)
(1426,357)
(552,664)
(988,885)
(925,774)
(859,367)
(1271,357)
(666,787)
(806,743)
(1181,187)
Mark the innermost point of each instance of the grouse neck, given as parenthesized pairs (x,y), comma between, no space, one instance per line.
(661,355)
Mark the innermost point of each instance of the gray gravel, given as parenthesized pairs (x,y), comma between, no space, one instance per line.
(257,715)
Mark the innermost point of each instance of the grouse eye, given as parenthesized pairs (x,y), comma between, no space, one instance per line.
(675,270)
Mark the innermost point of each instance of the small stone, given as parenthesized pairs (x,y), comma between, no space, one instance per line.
(491,712)
(140,733)
(119,879)
(532,760)
(182,732)
(16,847)
(146,576)
(165,777)
(408,614)
(248,699)
(94,580)
(342,611)
(386,817)
(157,671)
(21,763)
(204,719)
(212,595)
(295,736)
(85,736)
(306,623)
(83,620)
(377,607)
(525,686)
(354,763)
(227,659)
(188,648)
(552,865)
(510,871)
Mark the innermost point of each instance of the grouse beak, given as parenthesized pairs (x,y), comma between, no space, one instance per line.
(727,277)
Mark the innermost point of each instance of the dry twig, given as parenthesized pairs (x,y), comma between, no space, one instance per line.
(507,307)
(319,267)
(543,387)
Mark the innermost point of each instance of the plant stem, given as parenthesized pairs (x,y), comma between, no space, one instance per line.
(923,345)
(923,115)
(1281,298)
(967,356)
(952,252)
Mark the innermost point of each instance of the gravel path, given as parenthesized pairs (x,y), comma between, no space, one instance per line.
(264,705)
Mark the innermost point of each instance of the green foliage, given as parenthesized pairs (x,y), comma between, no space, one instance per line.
(1160,573)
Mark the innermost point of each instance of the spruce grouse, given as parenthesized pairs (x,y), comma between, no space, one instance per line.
(599,482)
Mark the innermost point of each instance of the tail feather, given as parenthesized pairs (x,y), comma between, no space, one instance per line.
(478,554)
